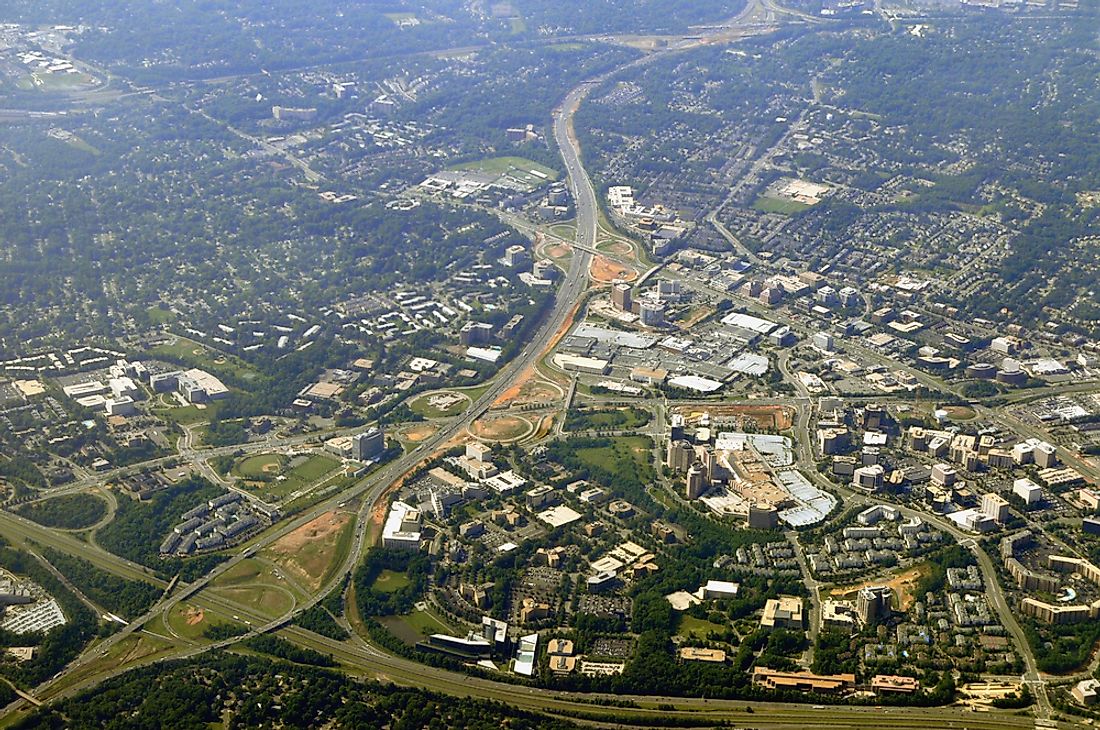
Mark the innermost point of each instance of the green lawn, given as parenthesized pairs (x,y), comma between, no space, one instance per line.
(260,466)
(160,316)
(697,627)
(518,167)
(568,231)
(198,355)
(779,205)
(415,626)
(315,468)
(181,616)
(475,391)
(187,415)
(422,407)
(637,447)
(80,144)
(517,25)
(622,419)
(297,477)
(389,581)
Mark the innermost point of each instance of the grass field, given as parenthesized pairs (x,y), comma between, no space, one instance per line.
(184,620)
(288,478)
(388,581)
(415,626)
(55,82)
(129,650)
(697,627)
(607,418)
(243,572)
(198,355)
(271,601)
(79,144)
(518,167)
(187,415)
(961,413)
(637,447)
(260,466)
(473,392)
(313,552)
(779,205)
(568,231)
(254,584)
(422,407)
(160,316)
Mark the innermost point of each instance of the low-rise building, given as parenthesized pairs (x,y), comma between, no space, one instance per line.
(696,654)
(784,612)
(1085,691)
(892,684)
(802,681)
(402,527)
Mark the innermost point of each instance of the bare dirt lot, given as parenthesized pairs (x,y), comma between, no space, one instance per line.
(309,552)
(558,250)
(903,584)
(537,391)
(501,428)
(775,418)
(605,271)
(419,432)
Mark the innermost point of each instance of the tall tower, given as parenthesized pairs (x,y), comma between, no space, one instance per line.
(696,480)
(873,603)
(620,296)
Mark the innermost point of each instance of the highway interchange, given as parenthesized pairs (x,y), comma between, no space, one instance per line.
(364,658)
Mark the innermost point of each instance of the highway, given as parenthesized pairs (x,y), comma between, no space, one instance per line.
(374,488)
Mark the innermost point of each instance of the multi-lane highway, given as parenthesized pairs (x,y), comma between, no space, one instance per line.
(374,488)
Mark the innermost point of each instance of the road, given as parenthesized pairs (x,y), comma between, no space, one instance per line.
(373,489)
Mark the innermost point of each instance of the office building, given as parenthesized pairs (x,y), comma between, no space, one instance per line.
(122,406)
(801,681)
(944,475)
(475,333)
(823,341)
(402,527)
(995,507)
(1085,691)
(763,516)
(784,612)
(873,603)
(368,445)
(1027,490)
(621,298)
(652,314)
(516,256)
(832,440)
(696,480)
(545,269)
(680,455)
(868,478)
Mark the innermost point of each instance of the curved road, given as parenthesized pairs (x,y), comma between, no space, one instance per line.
(372,489)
